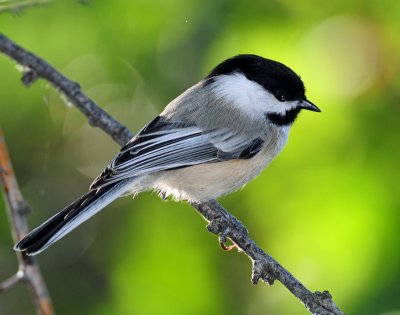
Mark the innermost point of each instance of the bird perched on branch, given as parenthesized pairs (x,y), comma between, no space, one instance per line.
(211,140)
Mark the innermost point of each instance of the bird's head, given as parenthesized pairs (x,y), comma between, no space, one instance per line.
(261,86)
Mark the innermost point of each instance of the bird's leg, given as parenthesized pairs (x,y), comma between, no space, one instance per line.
(221,222)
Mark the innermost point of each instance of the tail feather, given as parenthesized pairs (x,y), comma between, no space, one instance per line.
(70,217)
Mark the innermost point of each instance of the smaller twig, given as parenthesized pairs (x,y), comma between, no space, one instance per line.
(10,282)
(29,271)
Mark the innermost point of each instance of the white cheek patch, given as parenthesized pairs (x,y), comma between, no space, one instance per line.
(288,105)
(248,96)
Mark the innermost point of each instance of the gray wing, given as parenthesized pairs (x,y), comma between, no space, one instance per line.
(164,145)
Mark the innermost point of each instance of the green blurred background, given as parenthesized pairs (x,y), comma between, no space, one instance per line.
(327,208)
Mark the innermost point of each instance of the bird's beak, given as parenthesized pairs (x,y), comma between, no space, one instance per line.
(306,104)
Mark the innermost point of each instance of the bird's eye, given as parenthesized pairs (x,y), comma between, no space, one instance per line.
(281,97)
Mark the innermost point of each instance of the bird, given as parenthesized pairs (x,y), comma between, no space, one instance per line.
(208,142)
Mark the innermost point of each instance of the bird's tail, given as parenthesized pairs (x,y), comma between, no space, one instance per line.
(70,217)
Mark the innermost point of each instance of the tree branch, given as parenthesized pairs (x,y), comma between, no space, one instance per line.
(29,270)
(18,6)
(35,68)
(10,282)
(221,222)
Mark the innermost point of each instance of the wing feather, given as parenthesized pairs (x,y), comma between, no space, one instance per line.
(164,146)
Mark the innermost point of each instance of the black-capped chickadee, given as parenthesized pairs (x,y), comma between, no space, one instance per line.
(209,141)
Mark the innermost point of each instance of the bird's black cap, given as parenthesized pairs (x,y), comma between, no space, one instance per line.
(274,76)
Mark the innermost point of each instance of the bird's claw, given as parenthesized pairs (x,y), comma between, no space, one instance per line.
(223,239)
